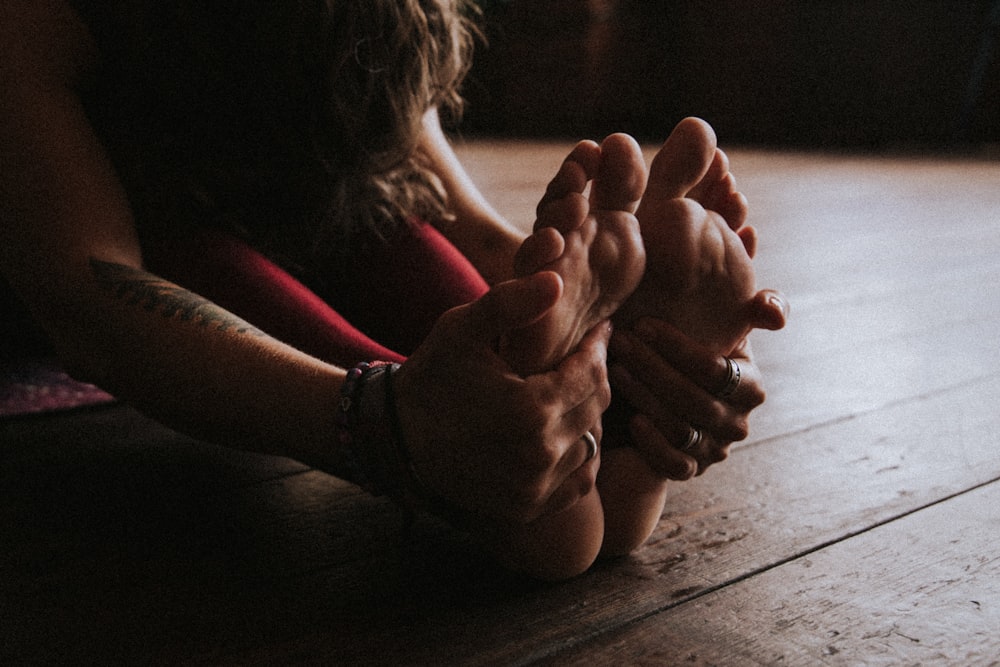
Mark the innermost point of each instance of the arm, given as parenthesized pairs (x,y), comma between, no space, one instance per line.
(477,230)
(68,246)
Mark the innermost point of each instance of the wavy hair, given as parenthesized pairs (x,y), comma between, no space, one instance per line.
(294,124)
(393,60)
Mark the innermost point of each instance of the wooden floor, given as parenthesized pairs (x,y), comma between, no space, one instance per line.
(860,524)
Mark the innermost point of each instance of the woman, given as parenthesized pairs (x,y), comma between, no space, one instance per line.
(207,210)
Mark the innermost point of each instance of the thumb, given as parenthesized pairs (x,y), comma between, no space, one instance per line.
(769,310)
(513,304)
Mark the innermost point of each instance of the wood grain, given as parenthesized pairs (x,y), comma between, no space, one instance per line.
(854,526)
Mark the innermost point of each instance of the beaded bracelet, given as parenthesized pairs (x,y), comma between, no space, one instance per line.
(371,449)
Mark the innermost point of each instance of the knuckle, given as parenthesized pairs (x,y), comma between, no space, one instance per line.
(755,396)
(603,395)
(718,415)
(729,425)
(719,454)
(740,430)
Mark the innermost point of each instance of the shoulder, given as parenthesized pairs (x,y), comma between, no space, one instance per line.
(44,40)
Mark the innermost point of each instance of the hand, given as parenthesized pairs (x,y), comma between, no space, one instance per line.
(486,440)
(672,383)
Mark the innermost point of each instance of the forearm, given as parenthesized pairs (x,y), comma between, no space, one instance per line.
(194,366)
(476,228)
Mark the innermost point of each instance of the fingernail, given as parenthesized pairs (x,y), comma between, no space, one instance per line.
(776,301)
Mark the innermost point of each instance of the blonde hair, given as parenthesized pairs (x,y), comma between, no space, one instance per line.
(395,60)
(293,124)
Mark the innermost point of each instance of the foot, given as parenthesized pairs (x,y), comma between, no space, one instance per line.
(700,275)
(592,243)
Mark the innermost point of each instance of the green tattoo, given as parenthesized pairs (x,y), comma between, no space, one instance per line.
(155,294)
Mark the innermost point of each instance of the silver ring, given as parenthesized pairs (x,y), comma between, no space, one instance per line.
(591,441)
(733,377)
(693,440)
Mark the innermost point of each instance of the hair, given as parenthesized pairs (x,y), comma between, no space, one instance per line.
(391,61)
(293,124)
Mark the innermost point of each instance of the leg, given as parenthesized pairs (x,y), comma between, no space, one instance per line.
(229,272)
(406,285)
(431,274)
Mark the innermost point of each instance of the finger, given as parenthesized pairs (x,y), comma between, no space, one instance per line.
(703,367)
(659,453)
(674,417)
(668,396)
(574,487)
(580,376)
(672,454)
(769,309)
(507,306)
(704,448)
(580,436)
(581,393)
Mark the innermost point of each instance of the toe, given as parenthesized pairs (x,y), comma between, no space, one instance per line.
(683,160)
(621,175)
(579,167)
(538,250)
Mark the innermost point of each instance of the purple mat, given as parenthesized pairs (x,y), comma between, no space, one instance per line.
(37,386)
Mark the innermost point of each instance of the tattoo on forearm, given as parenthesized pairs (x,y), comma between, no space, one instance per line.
(155,294)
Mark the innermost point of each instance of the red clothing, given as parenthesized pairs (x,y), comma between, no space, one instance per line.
(407,285)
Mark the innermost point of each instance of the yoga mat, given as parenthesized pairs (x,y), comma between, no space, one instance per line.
(38,386)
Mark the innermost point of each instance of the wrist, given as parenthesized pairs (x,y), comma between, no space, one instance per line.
(369,449)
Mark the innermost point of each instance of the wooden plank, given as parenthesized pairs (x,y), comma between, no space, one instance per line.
(881,257)
(923,589)
(304,566)
(124,540)
(772,504)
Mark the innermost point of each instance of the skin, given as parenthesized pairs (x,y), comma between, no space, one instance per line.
(69,248)
(594,245)
(699,282)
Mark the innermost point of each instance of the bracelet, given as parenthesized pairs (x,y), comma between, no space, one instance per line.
(371,449)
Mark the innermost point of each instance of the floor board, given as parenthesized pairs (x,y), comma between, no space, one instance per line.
(855,525)
(920,590)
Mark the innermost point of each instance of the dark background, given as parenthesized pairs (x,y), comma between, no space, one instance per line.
(873,74)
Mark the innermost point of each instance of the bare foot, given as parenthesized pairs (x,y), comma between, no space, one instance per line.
(699,278)
(593,244)
(700,275)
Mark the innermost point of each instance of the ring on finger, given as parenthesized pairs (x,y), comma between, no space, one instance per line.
(692,441)
(591,442)
(733,377)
